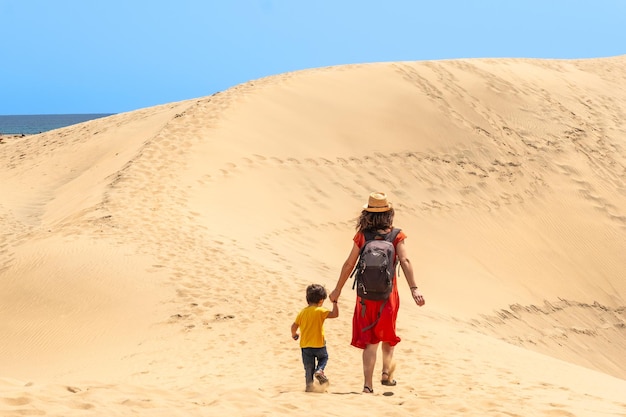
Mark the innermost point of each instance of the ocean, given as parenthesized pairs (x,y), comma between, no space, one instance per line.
(38,123)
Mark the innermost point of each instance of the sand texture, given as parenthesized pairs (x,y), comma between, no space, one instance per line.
(152,262)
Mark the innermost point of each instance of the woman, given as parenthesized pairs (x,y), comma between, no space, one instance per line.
(374,321)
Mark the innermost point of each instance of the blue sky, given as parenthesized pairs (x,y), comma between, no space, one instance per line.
(82,56)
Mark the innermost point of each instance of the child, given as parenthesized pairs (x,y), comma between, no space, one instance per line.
(310,320)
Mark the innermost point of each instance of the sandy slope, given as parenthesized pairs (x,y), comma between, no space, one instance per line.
(151,262)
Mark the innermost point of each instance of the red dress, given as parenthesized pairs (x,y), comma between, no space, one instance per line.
(366,312)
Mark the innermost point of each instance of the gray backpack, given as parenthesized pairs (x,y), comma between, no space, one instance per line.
(376,266)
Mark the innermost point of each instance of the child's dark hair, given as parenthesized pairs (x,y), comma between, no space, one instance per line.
(315,293)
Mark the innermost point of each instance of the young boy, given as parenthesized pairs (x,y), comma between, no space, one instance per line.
(310,320)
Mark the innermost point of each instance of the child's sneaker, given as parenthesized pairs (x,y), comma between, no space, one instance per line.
(321,377)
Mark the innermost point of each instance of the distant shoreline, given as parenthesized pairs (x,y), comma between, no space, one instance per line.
(32,124)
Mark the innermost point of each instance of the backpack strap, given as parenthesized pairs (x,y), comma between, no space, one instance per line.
(368,236)
(391,236)
(380,312)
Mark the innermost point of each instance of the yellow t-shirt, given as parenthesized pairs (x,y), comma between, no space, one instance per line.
(311,323)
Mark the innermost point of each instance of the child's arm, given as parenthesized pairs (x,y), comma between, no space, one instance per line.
(335,311)
(294,331)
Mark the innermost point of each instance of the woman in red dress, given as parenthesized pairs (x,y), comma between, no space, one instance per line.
(374,321)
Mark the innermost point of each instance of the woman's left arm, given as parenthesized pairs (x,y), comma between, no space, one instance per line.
(407,268)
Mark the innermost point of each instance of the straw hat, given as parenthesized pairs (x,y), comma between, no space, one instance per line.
(377,203)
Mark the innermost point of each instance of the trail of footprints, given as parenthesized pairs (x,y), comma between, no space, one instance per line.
(405,170)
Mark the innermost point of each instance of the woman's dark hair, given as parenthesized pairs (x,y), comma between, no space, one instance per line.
(315,293)
(374,221)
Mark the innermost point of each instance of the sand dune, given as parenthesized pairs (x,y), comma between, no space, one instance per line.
(152,262)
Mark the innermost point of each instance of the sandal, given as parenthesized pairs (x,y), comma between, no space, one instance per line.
(367,390)
(388,382)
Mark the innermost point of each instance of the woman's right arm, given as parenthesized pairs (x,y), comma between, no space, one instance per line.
(346,270)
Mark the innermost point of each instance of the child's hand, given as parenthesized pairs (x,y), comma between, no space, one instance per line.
(295,336)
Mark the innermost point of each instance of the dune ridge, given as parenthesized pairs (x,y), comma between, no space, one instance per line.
(151,262)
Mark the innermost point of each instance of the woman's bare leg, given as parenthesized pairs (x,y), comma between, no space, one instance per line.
(369,362)
(388,365)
